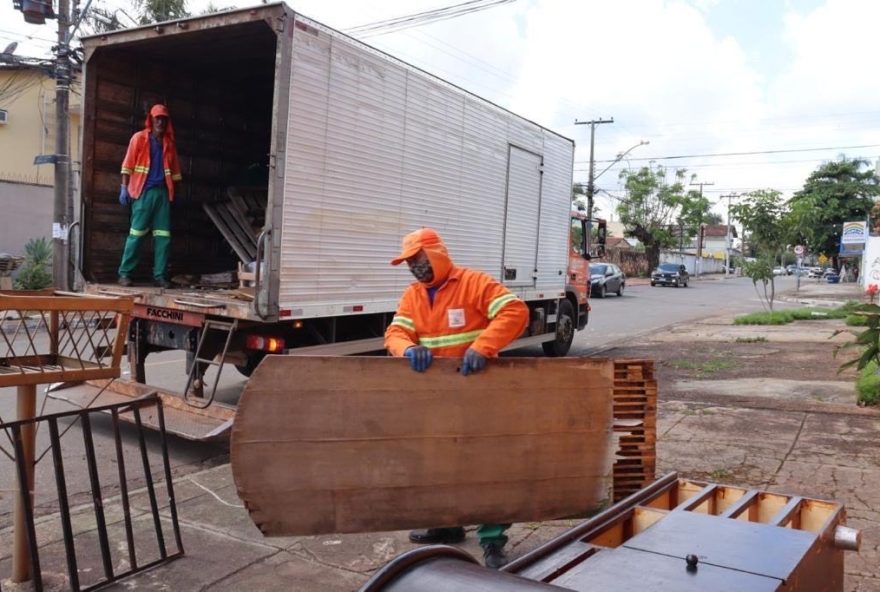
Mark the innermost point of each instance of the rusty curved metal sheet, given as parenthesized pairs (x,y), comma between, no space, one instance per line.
(361,444)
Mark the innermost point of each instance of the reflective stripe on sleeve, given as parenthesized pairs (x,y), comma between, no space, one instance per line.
(126,171)
(165,233)
(404,322)
(496,305)
(134,232)
(449,340)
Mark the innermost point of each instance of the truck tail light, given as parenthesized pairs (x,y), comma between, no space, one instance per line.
(272,345)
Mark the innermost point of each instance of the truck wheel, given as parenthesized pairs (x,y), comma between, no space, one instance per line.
(253,360)
(564,332)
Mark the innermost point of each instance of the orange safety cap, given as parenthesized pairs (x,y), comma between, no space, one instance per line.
(416,241)
(159,110)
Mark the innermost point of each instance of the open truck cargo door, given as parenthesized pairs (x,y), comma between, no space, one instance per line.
(364,444)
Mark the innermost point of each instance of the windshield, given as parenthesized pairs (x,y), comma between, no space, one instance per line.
(596,269)
(668,267)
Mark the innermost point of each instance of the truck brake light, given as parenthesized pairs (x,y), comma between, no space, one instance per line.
(267,344)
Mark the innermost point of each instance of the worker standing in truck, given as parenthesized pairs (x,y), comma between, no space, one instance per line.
(149,171)
(453,311)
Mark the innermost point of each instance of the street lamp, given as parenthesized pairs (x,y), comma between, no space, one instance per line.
(591,187)
(621,155)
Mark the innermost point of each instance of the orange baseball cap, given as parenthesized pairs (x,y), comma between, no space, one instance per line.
(416,241)
(159,110)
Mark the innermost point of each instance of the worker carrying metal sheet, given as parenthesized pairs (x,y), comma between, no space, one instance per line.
(149,171)
(453,312)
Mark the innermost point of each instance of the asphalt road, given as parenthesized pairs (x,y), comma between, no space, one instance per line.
(613,320)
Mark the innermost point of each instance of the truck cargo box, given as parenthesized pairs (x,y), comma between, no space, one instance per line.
(333,151)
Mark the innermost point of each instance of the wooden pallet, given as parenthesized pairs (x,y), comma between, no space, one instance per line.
(239,219)
(635,423)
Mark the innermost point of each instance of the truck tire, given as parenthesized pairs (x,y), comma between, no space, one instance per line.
(253,360)
(564,332)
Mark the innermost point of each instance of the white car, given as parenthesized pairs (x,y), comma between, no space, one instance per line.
(779,271)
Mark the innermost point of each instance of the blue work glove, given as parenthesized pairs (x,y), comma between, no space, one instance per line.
(473,362)
(420,357)
(124,197)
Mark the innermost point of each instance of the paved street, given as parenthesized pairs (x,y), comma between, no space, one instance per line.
(225,552)
(613,320)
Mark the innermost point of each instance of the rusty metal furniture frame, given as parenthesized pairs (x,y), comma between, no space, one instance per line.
(14,430)
(53,337)
(81,332)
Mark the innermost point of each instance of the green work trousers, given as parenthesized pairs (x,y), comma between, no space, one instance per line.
(151,211)
(493,533)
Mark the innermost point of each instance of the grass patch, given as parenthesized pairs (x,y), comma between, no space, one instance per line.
(751,340)
(856,321)
(783,317)
(868,385)
(703,367)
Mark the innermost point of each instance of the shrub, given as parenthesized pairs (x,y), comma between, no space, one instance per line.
(868,385)
(36,273)
(783,317)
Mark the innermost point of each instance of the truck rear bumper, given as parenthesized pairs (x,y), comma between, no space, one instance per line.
(191,423)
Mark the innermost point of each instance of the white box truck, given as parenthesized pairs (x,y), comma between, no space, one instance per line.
(306,156)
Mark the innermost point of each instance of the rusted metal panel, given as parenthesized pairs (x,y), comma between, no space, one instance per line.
(325,445)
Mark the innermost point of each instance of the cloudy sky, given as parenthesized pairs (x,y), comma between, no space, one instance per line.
(746,94)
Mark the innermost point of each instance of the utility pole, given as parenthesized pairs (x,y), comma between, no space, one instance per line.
(698,264)
(60,221)
(727,245)
(590,179)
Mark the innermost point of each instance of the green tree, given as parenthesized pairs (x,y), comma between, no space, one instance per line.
(156,11)
(656,210)
(713,218)
(767,221)
(579,195)
(836,192)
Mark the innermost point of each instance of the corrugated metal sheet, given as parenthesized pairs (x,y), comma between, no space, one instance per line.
(375,149)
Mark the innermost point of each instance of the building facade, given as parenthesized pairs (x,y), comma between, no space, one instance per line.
(27,130)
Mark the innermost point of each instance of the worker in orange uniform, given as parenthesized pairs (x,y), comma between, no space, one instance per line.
(453,312)
(149,171)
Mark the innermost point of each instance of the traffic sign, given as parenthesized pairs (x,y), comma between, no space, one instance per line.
(799,250)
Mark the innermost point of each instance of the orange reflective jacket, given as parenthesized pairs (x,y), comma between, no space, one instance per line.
(137,163)
(470,309)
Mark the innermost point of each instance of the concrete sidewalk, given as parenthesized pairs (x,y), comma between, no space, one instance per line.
(825,449)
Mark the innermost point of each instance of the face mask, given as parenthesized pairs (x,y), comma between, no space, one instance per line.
(422,271)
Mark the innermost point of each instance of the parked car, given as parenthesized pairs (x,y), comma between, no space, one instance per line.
(779,271)
(790,269)
(670,274)
(604,278)
(815,272)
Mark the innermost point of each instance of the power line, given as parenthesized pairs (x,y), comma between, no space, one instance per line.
(750,153)
(422,18)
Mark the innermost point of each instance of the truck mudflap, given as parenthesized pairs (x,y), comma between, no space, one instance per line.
(191,423)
